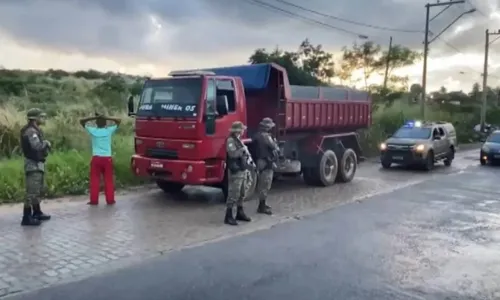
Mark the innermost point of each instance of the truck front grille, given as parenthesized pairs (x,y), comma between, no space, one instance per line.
(161,153)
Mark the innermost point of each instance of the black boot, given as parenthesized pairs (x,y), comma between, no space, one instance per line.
(28,219)
(38,214)
(263,208)
(241,215)
(229,219)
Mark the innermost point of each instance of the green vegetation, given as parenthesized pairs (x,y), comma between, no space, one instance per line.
(66,97)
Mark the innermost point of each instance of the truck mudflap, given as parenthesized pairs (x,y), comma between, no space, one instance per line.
(180,171)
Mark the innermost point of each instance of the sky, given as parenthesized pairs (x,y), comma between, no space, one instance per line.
(155,36)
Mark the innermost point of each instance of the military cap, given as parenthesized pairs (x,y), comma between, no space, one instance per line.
(35,113)
(267,123)
(237,127)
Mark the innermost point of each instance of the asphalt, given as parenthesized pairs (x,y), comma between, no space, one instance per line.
(437,239)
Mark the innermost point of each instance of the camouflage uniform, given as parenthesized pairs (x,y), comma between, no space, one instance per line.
(35,150)
(237,174)
(265,162)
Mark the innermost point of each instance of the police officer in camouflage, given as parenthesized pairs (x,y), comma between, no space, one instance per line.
(238,166)
(35,150)
(267,153)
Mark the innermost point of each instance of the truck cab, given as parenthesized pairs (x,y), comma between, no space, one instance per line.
(182,123)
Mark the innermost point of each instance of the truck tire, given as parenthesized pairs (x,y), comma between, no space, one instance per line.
(347,166)
(325,172)
(169,187)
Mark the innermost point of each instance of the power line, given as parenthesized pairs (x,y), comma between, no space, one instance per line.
(294,15)
(347,20)
(460,52)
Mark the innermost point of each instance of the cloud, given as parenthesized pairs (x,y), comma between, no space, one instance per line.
(216,32)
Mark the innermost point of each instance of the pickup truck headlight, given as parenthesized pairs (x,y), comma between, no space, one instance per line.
(383,146)
(419,148)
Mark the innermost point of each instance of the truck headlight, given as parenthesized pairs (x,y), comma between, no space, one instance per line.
(419,148)
(383,146)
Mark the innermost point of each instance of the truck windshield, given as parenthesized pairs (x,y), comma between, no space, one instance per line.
(174,97)
(416,133)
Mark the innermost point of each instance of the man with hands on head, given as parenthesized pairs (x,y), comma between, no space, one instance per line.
(102,162)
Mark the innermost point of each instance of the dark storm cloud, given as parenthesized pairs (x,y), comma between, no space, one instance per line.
(209,27)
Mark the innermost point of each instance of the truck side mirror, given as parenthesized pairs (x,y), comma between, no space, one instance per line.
(131,110)
(222,105)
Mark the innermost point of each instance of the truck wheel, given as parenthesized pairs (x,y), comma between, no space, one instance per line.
(429,163)
(169,187)
(347,166)
(449,157)
(325,172)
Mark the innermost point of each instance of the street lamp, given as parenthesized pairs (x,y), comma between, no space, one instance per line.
(427,42)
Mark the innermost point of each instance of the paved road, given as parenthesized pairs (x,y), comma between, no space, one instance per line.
(83,241)
(437,239)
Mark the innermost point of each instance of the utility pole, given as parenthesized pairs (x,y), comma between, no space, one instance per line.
(428,19)
(388,61)
(484,95)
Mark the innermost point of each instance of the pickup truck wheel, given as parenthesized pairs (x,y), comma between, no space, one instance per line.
(169,187)
(449,157)
(347,166)
(429,163)
(386,164)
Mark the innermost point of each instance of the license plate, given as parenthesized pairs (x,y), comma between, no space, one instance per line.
(397,157)
(157,165)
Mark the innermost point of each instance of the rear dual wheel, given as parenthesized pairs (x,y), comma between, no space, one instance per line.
(328,169)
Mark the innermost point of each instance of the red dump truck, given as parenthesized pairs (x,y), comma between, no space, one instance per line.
(182,123)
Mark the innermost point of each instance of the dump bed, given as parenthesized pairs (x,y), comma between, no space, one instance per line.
(299,108)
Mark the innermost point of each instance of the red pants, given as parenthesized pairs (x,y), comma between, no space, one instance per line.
(101,165)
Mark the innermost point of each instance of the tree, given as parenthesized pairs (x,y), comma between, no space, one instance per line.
(360,57)
(398,57)
(316,61)
(309,65)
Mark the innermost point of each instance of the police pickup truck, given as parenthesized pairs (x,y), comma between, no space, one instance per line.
(420,143)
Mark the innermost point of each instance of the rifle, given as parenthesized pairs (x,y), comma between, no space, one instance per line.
(247,156)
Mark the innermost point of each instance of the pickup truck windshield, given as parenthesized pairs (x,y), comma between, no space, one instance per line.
(174,97)
(494,138)
(416,133)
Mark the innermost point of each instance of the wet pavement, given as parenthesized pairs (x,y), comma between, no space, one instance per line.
(421,219)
